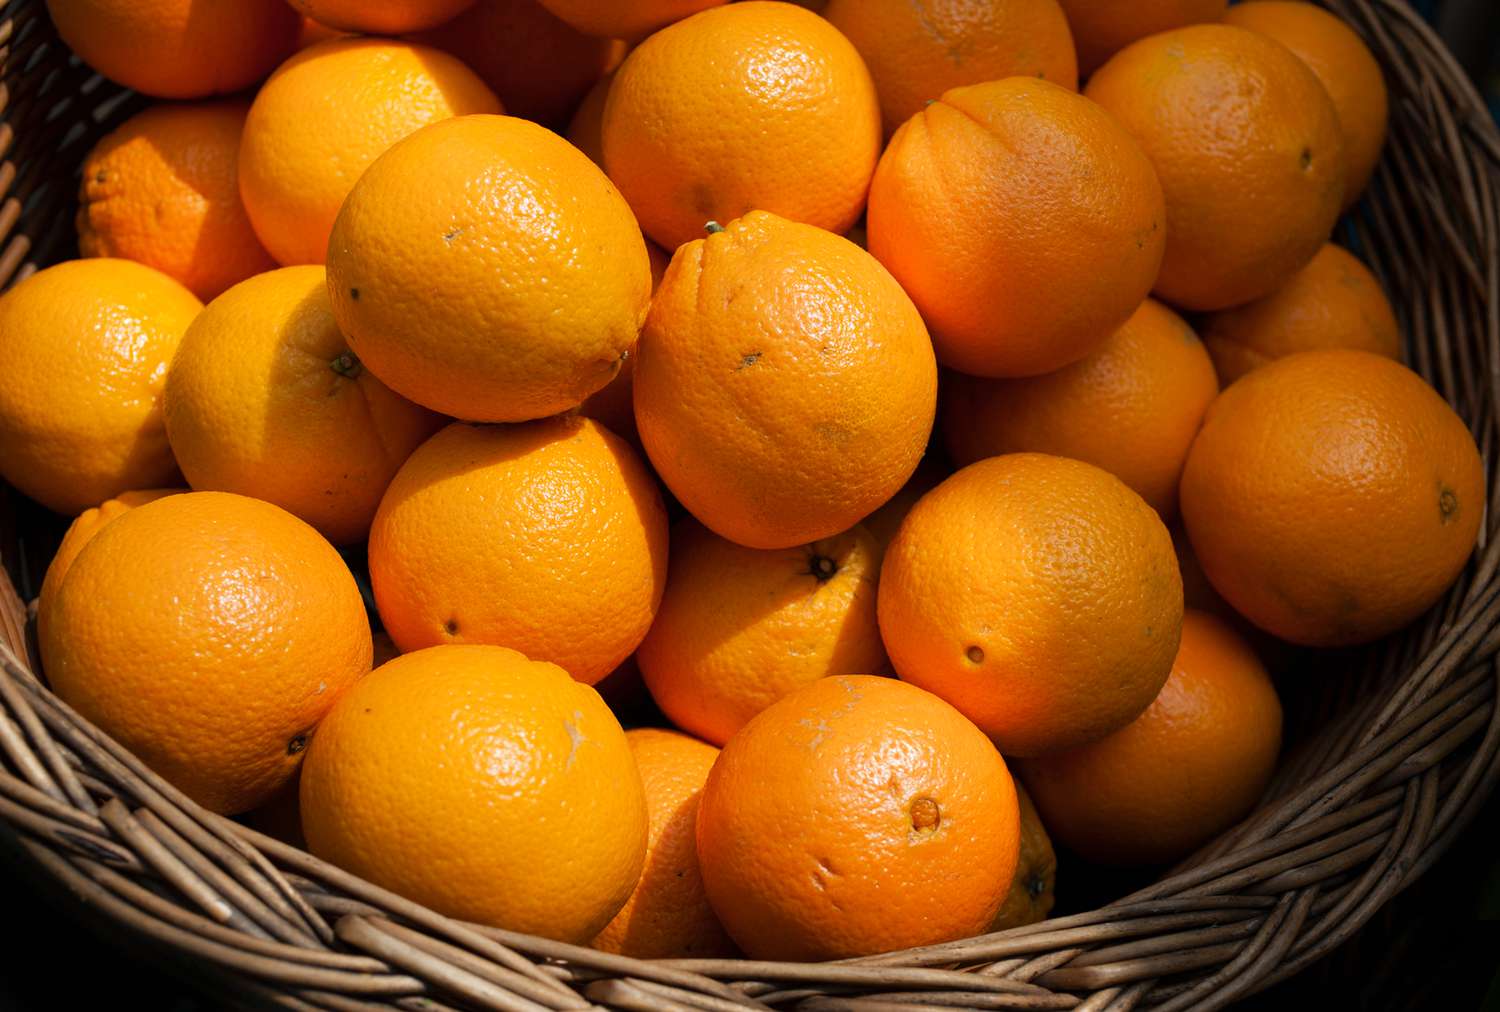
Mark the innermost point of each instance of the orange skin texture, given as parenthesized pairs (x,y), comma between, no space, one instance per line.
(739,628)
(79,533)
(171,49)
(538,65)
(668,916)
(1131,407)
(1102,29)
(163,190)
(263,399)
(918,51)
(1187,769)
(586,128)
(753,106)
(1024,222)
(1345,67)
(325,116)
(1031,890)
(1333,302)
(486,786)
(1249,152)
(629,19)
(208,633)
(857,815)
(785,386)
(485,268)
(1037,594)
(614,403)
(387,17)
(550,537)
(86,345)
(1332,496)
(884,522)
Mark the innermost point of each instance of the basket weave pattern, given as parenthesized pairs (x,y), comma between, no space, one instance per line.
(1408,748)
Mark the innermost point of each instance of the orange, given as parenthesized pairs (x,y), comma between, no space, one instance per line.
(753,106)
(1037,594)
(614,403)
(264,398)
(208,633)
(163,190)
(324,116)
(624,19)
(1031,890)
(918,51)
(785,386)
(549,538)
(1131,407)
(486,786)
(1332,496)
(485,268)
(1333,302)
(1344,65)
(884,522)
(1249,152)
(86,345)
(1191,766)
(741,627)
(1025,223)
(79,533)
(175,48)
(387,17)
(1102,29)
(310,34)
(855,816)
(586,128)
(538,65)
(668,916)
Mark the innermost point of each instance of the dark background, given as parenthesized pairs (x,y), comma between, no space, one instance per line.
(1435,945)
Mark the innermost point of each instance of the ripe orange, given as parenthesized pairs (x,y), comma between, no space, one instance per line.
(538,65)
(785,386)
(1344,65)
(263,398)
(668,916)
(175,48)
(1102,29)
(79,533)
(1131,407)
(208,633)
(614,404)
(1253,181)
(752,106)
(1025,223)
(856,815)
(549,538)
(625,19)
(388,17)
(1188,768)
(586,128)
(1037,594)
(1031,890)
(86,345)
(884,522)
(163,190)
(1332,496)
(739,628)
(1333,302)
(916,52)
(324,116)
(310,34)
(486,786)
(485,268)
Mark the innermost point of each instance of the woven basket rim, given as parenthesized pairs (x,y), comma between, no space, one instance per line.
(1362,812)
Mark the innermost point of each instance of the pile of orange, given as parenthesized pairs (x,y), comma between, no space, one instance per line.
(652,406)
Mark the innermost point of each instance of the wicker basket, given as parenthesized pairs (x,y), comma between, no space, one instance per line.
(1402,742)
